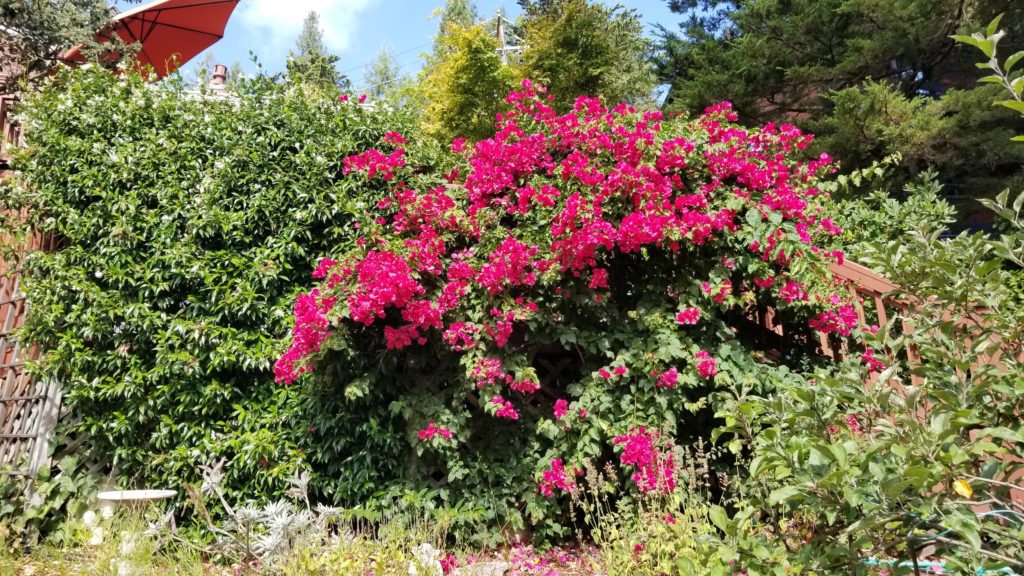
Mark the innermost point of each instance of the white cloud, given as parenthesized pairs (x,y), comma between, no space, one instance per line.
(276,23)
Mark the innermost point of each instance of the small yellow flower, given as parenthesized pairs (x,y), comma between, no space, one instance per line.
(962,488)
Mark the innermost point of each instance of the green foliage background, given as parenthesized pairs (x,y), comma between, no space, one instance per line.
(870,78)
(187,223)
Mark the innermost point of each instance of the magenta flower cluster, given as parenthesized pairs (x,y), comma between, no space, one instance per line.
(525,233)
(651,458)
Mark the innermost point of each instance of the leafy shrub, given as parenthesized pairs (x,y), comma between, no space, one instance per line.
(186,223)
(569,294)
(930,455)
(849,472)
(31,508)
(880,217)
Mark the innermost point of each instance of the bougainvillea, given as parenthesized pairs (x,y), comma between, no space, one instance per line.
(571,283)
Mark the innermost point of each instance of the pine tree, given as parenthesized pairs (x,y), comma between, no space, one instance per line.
(869,78)
(310,63)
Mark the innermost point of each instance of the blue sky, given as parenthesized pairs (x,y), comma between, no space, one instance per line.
(357,29)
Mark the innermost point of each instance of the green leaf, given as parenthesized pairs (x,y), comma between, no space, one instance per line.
(720,518)
(993,26)
(753,217)
(1012,61)
(785,494)
(979,43)
(1012,105)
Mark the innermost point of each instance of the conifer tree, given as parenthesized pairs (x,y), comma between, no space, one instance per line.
(581,47)
(310,63)
(383,79)
(869,78)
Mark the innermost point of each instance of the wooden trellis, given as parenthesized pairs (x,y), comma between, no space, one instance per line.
(29,408)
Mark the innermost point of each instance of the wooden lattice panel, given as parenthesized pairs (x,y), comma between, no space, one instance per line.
(29,408)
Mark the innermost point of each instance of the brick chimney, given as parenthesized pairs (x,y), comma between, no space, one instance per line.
(220,76)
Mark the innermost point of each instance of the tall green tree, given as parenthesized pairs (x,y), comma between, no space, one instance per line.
(463,84)
(383,79)
(454,15)
(310,63)
(33,34)
(581,47)
(869,77)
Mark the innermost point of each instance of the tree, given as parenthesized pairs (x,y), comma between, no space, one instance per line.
(203,69)
(579,47)
(463,84)
(455,14)
(311,63)
(235,73)
(34,33)
(384,78)
(869,77)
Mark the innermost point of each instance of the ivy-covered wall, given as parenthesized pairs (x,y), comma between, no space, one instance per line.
(187,224)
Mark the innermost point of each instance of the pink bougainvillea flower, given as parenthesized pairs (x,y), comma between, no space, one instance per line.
(555,478)
(688,316)
(793,291)
(506,409)
(668,379)
(394,139)
(873,363)
(842,320)
(434,430)
(706,365)
(655,468)
(561,408)
(854,424)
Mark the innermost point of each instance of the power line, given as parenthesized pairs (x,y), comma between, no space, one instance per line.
(367,63)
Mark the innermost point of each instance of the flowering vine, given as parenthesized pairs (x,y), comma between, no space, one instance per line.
(590,258)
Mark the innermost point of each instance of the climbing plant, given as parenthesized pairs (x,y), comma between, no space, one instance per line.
(186,223)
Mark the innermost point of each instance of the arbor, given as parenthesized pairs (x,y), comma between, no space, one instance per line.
(869,78)
(580,47)
(310,63)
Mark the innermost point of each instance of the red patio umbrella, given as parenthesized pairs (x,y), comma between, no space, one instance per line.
(169,32)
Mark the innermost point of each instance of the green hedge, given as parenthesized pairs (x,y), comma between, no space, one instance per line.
(187,222)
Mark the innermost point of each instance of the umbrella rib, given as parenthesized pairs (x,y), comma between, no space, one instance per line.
(185,28)
(153,25)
